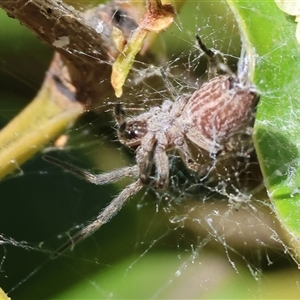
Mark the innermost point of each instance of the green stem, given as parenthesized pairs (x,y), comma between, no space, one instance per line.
(39,123)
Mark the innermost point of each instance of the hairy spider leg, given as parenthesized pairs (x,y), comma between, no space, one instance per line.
(119,114)
(144,156)
(109,212)
(161,161)
(187,158)
(99,179)
(213,62)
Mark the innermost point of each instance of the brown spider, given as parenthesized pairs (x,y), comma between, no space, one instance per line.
(214,115)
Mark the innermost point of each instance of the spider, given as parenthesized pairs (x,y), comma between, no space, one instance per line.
(211,118)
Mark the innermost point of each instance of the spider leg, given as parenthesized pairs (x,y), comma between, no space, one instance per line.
(119,114)
(199,169)
(207,51)
(186,157)
(212,147)
(113,176)
(109,211)
(144,156)
(161,161)
(213,62)
(98,179)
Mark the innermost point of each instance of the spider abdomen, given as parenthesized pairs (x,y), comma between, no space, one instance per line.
(220,109)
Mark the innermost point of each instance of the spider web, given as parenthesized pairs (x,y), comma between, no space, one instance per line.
(187,242)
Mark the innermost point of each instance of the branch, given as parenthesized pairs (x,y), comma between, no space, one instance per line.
(51,20)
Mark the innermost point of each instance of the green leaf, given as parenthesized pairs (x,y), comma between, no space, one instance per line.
(277,73)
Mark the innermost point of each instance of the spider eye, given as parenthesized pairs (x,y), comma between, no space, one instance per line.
(131,133)
(136,130)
